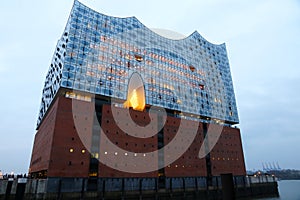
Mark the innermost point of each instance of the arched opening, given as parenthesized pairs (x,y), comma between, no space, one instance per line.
(135,93)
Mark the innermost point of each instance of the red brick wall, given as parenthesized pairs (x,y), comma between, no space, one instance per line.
(58,134)
(189,163)
(227,155)
(43,142)
(127,142)
(63,162)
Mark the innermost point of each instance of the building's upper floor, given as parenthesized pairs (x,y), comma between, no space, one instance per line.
(97,54)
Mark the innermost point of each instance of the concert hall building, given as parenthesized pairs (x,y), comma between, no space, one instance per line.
(126,104)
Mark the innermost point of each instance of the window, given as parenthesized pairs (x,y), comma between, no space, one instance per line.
(138,58)
(95,155)
(192,68)
(201,86)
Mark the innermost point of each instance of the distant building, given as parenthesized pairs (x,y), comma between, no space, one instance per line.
(105,67)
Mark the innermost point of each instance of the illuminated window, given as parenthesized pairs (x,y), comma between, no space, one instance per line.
(136,93)
(138,58)
(95,155)
(94,174)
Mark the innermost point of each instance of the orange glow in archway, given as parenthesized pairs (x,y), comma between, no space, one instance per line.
(135,93)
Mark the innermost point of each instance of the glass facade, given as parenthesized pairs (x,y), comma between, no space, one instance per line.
(98,54)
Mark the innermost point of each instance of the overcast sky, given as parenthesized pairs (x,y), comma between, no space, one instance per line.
(263,44)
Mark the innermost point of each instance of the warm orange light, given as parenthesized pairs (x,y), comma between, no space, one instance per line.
(136,100)
(136,93)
